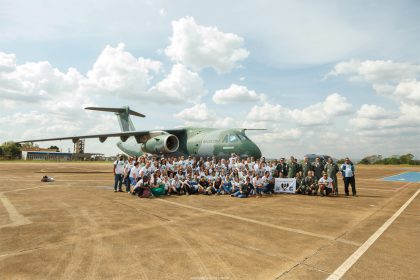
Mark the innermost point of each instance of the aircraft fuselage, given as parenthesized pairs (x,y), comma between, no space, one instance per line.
(199,142)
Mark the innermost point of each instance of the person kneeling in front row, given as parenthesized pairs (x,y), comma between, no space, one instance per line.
(325,184)
(244,189)
(142,188)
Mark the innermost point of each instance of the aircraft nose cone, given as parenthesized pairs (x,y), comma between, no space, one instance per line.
(251,150)
(258,153)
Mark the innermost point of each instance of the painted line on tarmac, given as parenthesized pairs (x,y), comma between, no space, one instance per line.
(373,189)
(25,189)
(347,264)
(303,232)
(402,187)
(15,217)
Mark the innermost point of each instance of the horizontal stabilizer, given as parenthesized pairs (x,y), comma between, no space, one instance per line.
(117,110)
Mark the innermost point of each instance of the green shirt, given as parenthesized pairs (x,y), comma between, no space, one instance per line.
(306,166)
(331,169)
(293,169)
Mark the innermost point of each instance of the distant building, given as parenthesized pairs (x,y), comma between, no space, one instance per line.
(36,153)
(46,155)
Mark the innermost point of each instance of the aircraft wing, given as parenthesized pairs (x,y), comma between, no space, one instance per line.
(140,136)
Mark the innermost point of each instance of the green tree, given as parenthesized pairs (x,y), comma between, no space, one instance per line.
(29,145)
(54,148)
(406,159)
(341,161)
(11,149)
(365,161)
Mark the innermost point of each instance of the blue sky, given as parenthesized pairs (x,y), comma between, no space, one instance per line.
(330,77)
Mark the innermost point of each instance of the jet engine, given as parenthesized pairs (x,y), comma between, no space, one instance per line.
(161,144)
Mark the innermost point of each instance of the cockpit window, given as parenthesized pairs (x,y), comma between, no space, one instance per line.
(233,138)
(240,136)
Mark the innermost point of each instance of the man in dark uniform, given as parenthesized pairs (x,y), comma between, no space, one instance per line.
(311,184)
(332,169)
(318,168)
(293,168)
(282,168)
(306,166)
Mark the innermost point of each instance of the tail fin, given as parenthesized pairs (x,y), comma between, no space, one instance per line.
(123,115)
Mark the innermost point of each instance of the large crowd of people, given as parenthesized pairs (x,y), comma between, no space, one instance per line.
(148,176)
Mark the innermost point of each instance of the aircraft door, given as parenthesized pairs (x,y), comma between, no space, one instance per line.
(195,149)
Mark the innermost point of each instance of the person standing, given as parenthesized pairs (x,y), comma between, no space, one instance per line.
(332,168)
(306,167)
(282,168)
(118,173)
(126,178)
(293,168)
(347,170)
(318,168)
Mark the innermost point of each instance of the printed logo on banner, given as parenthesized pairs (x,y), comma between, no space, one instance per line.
(285,185)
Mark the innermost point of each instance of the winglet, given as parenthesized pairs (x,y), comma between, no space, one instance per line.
(124,109)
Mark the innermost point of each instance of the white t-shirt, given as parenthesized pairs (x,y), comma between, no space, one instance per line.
(347,170)
(119,166)
(127,168)
(146,171)
(327,182)
(257,182)
(134,173)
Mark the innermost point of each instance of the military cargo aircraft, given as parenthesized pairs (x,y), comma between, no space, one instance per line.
(194,141)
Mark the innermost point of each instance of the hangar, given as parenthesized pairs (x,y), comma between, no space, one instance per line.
(46,155)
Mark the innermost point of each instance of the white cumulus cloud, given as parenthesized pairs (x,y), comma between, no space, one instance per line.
(118,72)
(282,135)
(7,62)
(267,112)
(33,82)
(396,80)
(409,91)
(319,113)
(322,112)
(197,113)
(375,71)
(205,47)
(236,93)
(180,86)
(372,112)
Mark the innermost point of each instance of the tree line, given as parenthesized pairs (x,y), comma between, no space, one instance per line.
(392,160)
(11,150)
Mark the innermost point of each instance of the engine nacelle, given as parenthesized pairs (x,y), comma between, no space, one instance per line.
(161,144)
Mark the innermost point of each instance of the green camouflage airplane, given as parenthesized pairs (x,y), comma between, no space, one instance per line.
(187,141)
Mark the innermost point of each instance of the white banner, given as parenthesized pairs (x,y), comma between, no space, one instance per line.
(285,185)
